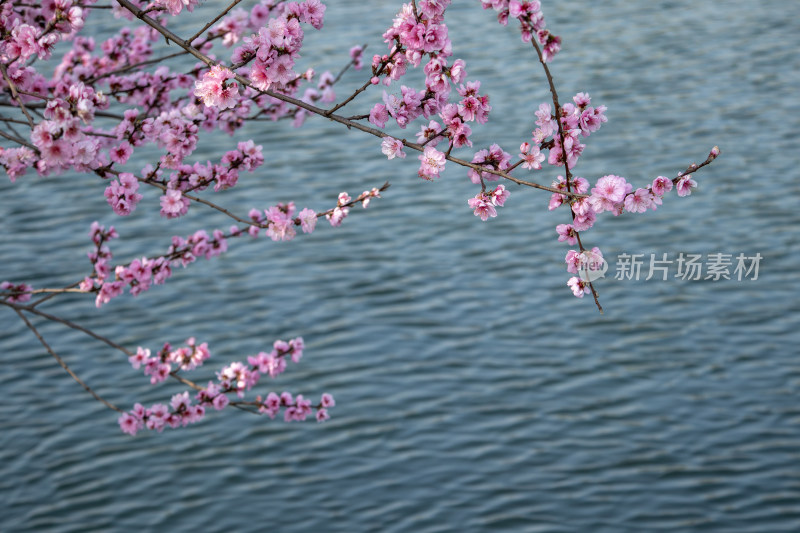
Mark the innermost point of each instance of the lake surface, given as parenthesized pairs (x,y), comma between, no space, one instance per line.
(474,392)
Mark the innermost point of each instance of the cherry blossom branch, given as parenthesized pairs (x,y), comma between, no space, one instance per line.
(170,36)
(567,173)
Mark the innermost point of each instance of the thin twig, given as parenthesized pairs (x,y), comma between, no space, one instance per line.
(65,366)
(214,21)
(18,140)
(67,323)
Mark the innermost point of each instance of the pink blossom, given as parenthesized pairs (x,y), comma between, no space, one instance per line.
(296,346)
(337,216)
(281,224)
(585,221)
(180,401)
(20,293)
(531,156)
(141,357)
(379,115)
(214,90)
(574,260)
(356,54)
(639,201)
(610,190)
(432,163)
(327,400)
(499,195)
(273,401)
(482,206)
(392,147)
(130,424)
(313,12)
(121,194)
(220,401)
(566,232)
(661,186)
(578,286)
(308,220)
(173,204)
(685,185)
(121,153)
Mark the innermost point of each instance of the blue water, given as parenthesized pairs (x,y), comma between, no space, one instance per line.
(474,393)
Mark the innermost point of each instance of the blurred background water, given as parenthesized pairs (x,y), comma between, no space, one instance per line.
(474,392)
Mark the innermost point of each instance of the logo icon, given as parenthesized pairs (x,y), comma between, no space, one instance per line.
(592,266)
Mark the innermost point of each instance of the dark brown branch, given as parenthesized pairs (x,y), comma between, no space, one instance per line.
(64,364)
(73,325)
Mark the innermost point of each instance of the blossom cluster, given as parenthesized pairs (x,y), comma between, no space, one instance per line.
(278,221)
(140,274)
(529,14)
(610,193)
(417,33)
(237,377)
(158,367)
(15,292)
(272,50)
(336,215)
(484,204)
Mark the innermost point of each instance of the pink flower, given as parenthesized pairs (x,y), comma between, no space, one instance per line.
(174,7)
(142,356)
(685,185)
(379,115)
(220,401)
(173,204)
(20,292)
(121,194)
(327,400)
(610,190)
(432,163)
(567,233)
(129,423)
(574,261)
(392,148)
(308,220)
(356,54)
(313,12)
(639,201)
(180,401)
(499,195)
(661,186)
(482,206)
(259,76)
(273,402)
(578,286)
(121,153)
(531,156)
(585,221)
(322,415)
(213,89)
